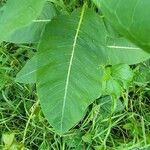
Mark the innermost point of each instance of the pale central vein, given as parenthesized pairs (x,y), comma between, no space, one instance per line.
(42,20)
(123,47)
(70,64)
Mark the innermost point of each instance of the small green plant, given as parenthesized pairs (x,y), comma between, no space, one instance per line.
(79,54)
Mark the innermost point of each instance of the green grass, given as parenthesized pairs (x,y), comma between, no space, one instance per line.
(23,126)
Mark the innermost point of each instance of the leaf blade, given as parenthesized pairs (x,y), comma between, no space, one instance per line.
(33,32)
(18,13)
(51,79)
(133,23)
(70,64)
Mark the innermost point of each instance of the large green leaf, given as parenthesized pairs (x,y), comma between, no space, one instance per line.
(32,33)
(18,13)
(67,68)
(72,50)
(71,77)
(116,50)
(130,18)
(120,50)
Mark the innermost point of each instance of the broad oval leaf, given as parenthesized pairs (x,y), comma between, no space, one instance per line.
(67,65)
(71,77)
(115,50)
(70,53)
(33,32)
(130,18)
(18,13)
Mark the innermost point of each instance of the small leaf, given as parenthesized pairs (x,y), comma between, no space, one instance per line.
(107,104)
(116,78)
(142,75)
(74,141)
(8,139)
(112,87)
(87,138)
(123,73)
(128,126)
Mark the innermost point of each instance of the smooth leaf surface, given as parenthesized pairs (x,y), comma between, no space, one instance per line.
(130,18)
(117,50)
(120,50)
(33,32)
(122,73)
(1,9)
(112,87)
(18,13)
(116,78)
(68,73)
(71,77)
(28,73)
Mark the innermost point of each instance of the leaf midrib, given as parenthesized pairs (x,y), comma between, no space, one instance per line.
(70,65)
